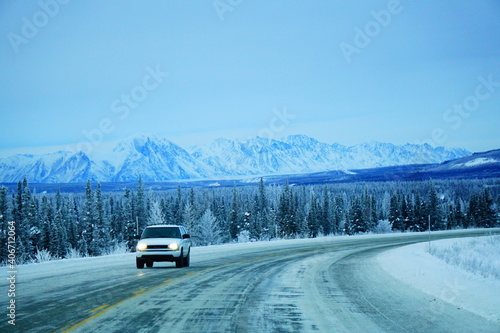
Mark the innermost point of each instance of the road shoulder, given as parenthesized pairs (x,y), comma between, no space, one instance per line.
(414,266)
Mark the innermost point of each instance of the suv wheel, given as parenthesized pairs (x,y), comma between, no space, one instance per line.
(186,260)
(180,261)
(139,263)
(149,264)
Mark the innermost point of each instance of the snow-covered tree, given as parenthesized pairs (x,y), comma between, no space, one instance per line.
(140,206)
(189,216)
(156,214)
(314,218)
(434,210)
(207,230)
(287,214)
(4,220)
(235,220)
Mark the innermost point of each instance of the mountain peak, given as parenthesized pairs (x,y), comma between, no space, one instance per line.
(299,139)
(143,141)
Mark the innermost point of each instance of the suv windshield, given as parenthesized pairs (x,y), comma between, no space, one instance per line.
(167,232)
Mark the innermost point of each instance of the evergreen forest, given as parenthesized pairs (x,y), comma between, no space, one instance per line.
(93,222)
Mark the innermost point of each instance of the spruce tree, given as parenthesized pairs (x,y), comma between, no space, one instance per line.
(247,218)
(420,213)
(357,223)
(130,228)
(73,224)
(455,218)
(474,211)
(100,241)
(286,214)
(326,214)
(95,215)
(339,213)
(46,222)
(17,209)
(254,218)
(87,221)
(58,237)
(404,214)
(189,216)
(369,214)
(395,213)
(4,226)
(488,217)
(433,210)
(261,213)
(220,211)
(167,206)
(208,229)
(156,214)
(141,210)
(410,214)
(234,215)
(28,224)
(4,206)
(313,218)
(191,199)
(179,207)
(458,214)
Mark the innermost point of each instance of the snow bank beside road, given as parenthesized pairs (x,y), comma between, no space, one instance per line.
(479,256)
(415,266)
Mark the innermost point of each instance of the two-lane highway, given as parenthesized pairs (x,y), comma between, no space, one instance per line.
(325,285)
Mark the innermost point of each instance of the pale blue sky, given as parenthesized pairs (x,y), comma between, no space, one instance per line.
(229,77)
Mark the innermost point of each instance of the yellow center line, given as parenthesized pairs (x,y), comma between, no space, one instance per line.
(139,291)
(102,312)
(106,308)
(99,308)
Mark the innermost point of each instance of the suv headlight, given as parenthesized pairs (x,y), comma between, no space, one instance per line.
(141,246)
(173,246)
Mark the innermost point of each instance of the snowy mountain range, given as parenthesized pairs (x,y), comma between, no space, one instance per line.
(158,159)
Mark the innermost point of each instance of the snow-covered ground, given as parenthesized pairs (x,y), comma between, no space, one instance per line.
(469,281)
(476,162)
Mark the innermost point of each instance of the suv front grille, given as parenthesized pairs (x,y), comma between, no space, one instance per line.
(157,247)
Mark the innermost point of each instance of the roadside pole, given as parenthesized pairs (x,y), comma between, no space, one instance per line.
(429,232)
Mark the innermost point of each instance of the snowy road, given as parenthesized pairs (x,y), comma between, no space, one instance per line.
(323,285)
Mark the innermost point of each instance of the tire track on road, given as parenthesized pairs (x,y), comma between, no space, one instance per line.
(394,306)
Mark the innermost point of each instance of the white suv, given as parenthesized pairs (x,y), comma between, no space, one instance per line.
(163,243)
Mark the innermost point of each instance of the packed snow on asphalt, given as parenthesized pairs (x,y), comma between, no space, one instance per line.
(342,284)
